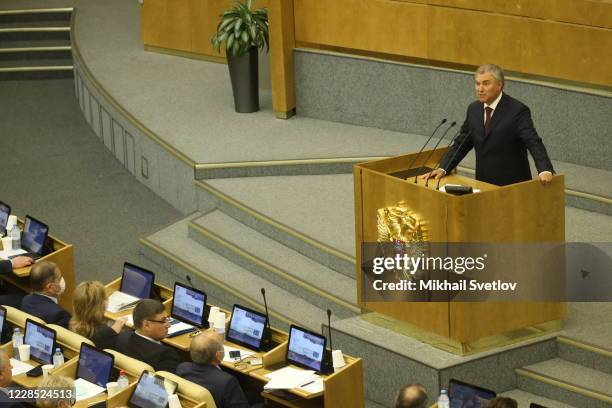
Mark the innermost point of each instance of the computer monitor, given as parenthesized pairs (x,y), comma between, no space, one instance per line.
(137,281)
(34,235)
(95,365)
(246,327)
(41,340)
(189,305)
(468,395)
(306,349)
(5,211)
(151,391)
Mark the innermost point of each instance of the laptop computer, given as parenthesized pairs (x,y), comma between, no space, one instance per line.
(94,371)
(151,391)
(188,310)
(2,320)
(5,211)
(246,327)
(136,283)
(306,349)
(33,238)
(462,394)
(41,340)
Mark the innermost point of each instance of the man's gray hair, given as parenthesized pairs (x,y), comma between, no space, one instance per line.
(205,346)
(492,69)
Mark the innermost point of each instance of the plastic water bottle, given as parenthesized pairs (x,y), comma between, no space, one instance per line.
(443,401)
(17,341)
(123,381)
(58,358)
(16,236)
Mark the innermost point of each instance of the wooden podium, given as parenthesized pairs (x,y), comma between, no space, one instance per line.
(526,212)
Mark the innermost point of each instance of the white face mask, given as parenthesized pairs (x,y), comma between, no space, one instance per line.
(62,285)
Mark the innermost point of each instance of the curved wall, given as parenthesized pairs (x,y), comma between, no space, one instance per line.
(574,124)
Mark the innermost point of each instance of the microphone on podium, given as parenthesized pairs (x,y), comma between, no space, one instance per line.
(432,135)
(434,149)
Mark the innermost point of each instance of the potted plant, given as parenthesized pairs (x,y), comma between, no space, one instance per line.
(244,31)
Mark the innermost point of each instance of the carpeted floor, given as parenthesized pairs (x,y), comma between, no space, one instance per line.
(56,169)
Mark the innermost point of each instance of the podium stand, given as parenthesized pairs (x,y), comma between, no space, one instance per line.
(526,212)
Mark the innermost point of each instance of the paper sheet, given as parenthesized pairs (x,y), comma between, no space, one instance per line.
(20,367)
(176,327)
(289,377)
(5,254)
(85,389)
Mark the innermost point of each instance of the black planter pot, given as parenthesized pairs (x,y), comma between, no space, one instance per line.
(244,73)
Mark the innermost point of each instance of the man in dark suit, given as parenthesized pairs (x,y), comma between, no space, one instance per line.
(207,353)
(151,323)
(48,285)
(501,131)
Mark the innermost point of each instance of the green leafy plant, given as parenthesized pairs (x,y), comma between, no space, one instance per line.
(242,28)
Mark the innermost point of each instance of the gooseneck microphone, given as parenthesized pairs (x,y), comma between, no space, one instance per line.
(329,329)
(419,153)
(467,136)
(435,147)
(267,338)
(189,280)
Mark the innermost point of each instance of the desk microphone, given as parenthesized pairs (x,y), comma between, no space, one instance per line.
(435,147)
(266,342)
(419,153)
(327,366)
(467,136)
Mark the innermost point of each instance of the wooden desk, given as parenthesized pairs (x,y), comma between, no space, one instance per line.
(121,399)
(343,388)
(63,256)
(164,292)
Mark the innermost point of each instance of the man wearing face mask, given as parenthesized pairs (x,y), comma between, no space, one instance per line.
(207,353)
(47,284)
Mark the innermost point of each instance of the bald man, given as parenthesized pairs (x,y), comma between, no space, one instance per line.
(411,396)
(207,353)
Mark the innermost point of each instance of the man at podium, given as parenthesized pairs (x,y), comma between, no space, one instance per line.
(501,131)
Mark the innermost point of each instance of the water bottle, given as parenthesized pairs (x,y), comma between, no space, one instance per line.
(16,236)
(58,358)
(443,401)
(123,381)
(17,341)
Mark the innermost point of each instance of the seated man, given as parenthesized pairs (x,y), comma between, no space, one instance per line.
(207,353)
(6,380)
(48,284)
(151,323)
(411,396)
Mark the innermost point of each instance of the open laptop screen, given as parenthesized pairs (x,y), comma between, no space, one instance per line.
(34,235)
(151,391)
(95,365)
(463,394)
(5,211)
(188,305)
(41,340)
(137,281)
(306,349)
(246,327)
